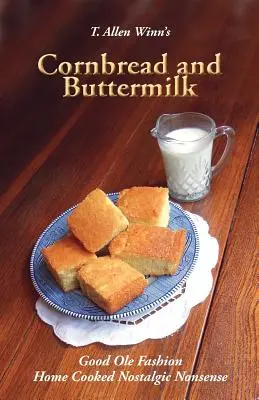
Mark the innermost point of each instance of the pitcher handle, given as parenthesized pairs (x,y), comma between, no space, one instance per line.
(230,134)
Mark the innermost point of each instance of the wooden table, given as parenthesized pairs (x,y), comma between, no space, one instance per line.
(54,150)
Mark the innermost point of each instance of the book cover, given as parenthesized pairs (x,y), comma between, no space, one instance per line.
(129,129)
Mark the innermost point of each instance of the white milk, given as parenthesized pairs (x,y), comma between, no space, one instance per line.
(187,164)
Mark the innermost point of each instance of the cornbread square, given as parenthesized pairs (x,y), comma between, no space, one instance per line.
(152,250)
(148,205)
(111,283)
(64,258)
(96,221)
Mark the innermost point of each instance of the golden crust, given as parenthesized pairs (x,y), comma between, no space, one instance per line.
(111,283)
(64,258)
(152,250)
(96,221)
(145,205)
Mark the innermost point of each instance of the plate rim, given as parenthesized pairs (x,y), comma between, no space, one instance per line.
(124,314)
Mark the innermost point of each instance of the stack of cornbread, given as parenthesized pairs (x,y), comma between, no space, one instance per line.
(138,240)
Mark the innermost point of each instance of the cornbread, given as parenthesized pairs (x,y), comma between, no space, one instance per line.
(148,205)
(152,250)
(64,258)
(96,221)
(111,283)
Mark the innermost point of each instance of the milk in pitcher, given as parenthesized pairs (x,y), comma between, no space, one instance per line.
(187,158)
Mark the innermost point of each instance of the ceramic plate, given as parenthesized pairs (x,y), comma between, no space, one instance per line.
(76,305)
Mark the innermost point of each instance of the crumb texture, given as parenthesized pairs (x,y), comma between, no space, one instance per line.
(150,249)
(96,221)
(111,283)
(145,205)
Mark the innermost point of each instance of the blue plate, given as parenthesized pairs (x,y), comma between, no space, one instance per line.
(76,305)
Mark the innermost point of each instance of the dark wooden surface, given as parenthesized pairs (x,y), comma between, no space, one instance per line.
(54,151)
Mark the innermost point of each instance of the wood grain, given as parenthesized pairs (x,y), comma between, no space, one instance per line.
(39,121)
(230,338)
(105,142)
